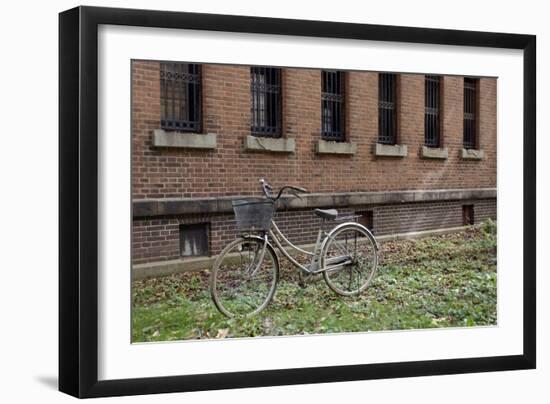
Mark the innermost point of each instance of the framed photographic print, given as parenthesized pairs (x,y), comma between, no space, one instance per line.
(251,201)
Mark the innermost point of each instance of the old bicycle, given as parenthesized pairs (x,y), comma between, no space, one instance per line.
(245,273)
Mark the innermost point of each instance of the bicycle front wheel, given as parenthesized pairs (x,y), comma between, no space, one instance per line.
(349,259)
(244,277)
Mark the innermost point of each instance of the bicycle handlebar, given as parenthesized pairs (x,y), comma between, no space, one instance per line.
(266,188)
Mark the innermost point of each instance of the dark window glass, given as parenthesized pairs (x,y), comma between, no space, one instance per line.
(431,112)
(366,218)
(332,105)
(468,214)
(180,97)
(387,114)
(194,239)
(470,112)
(266,101)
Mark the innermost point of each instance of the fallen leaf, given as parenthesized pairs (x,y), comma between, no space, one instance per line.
(222,333)
(267,323)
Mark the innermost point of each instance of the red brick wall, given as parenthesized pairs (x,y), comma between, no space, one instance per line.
(418,217)
(157,239)
(230,170)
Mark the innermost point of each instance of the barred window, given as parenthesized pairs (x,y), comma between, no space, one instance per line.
(432,102)
(470,113)
(194,239)
(180,97)
(387,114)
(332,105)
(266,101)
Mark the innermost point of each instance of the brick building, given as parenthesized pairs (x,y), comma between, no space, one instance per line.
(407,152)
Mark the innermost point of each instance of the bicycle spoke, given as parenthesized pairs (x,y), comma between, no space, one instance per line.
(244,280)
(342,248)
(354,274)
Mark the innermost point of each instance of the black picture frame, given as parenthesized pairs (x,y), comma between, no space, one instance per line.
(78,201)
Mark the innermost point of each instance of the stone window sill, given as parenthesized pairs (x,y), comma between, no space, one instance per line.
(472,154)
(440,153)
(390,150)
(332,147)
(269,144)
(179,140)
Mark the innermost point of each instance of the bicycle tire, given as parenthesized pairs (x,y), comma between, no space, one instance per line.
(367,260)
(230,289)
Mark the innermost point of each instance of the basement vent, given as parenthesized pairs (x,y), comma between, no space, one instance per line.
(366,218)
(194,239)
(467,214)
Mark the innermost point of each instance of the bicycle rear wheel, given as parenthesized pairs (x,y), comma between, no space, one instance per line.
(244,277)
(350,259)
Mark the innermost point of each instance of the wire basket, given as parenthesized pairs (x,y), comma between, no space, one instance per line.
(253,214)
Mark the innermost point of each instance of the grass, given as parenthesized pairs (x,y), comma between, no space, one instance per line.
(441,281)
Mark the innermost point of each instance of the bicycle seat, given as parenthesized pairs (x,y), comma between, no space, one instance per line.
(329,214)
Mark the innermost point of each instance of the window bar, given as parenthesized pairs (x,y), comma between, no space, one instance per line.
(386,108)
(254,103)
(180,96)
(266,101)
(324,111)
(263,99)
(470,113)
(431,114)
(332,105)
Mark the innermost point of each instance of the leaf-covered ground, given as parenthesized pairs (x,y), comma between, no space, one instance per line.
(442,281)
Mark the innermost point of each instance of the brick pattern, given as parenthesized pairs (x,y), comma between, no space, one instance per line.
(408,218)
(157,239)
(230,170)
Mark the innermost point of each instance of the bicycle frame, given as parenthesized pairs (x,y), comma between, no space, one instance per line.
(334,250)
(275,233)
(315,266)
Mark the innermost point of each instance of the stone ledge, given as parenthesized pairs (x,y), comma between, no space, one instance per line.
(173,206)
(331,147)
(434,152)
(170,267)
(390,150)
(269,144)
(179,140)
(472,154)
